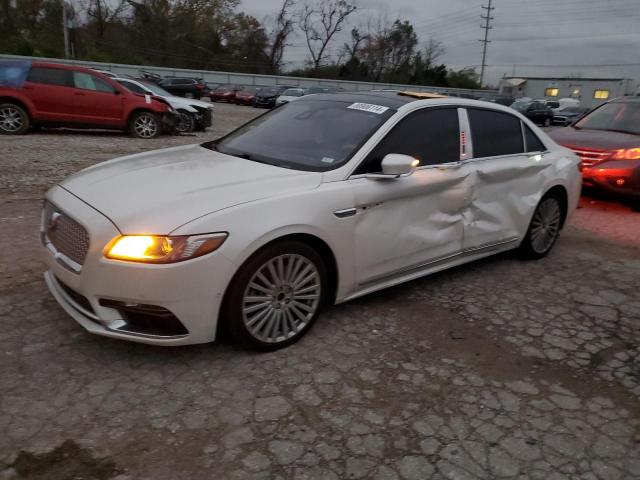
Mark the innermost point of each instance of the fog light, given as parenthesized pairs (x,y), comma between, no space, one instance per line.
(620,182)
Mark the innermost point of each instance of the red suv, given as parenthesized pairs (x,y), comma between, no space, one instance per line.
(50,94)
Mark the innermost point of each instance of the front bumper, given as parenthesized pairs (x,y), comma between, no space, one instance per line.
(169,120)
(264,103)
(204,117)
(621,177)
(98,295)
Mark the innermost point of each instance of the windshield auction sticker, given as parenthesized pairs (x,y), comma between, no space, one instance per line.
(368,107)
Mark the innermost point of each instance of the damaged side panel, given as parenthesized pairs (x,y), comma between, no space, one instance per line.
(505,194)
(407,221)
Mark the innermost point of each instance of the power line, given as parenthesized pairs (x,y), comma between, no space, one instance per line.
(487,26)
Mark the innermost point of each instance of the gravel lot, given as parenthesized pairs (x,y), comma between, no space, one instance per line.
(498,369)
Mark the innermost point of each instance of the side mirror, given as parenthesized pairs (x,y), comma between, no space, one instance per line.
(396,165)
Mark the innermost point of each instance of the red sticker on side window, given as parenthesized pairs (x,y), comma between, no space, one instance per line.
(463,144)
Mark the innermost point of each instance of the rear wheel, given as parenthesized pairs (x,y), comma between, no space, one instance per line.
(544,228)
(144,125)
(276,296)
(14,120)
(186,123)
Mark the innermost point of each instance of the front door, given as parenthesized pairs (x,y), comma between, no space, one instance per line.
(404,224)
(95,101)
(507,178)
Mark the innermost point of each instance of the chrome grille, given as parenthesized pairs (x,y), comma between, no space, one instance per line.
(588,158)
(66,235)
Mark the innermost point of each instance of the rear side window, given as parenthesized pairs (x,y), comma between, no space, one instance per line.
(87,81)
(533,142)
(50,76)
(494,133)
(430,135)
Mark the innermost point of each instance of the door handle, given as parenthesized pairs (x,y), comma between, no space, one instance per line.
(80,94)
(345,212)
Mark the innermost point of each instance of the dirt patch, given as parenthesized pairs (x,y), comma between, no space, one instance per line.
(69,461)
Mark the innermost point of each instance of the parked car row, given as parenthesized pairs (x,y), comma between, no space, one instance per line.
(267,97)
(35,94)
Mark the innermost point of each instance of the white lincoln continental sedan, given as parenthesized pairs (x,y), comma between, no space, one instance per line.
(317,202)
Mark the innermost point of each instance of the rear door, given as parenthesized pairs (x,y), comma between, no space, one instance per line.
(507,183)
(50,90)
(95,101)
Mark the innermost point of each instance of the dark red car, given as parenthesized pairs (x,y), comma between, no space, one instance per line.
(246,96)
(608,142)
(55,95)
(224,93)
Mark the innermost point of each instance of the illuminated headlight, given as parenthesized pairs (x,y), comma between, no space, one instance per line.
(163,249)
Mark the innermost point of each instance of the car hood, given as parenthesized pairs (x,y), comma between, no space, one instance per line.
(158,191)
(179,102)
(595,139)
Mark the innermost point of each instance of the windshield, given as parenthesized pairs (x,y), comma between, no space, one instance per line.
(156,89)
(293,92)
(617,117)
(305,135)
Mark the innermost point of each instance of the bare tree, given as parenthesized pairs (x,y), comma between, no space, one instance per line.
(320,22)
(357,40)
(282,28)
(433,51)
(103,13)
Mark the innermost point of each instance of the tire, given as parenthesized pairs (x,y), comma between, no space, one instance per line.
(145,124)
(544,229)
(262,310)
(186,123)
(14,120)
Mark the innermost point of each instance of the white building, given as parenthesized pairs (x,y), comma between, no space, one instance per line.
(590,91)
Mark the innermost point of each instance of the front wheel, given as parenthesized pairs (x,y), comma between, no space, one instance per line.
(276,296)
(544,229)
(144,125)
(14,120)
(186,123)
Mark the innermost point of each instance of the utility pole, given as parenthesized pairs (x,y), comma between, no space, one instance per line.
(65,30)
(487,26)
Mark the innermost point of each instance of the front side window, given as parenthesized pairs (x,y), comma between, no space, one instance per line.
(494,133)
(49,76)
(601,94)
(316,135)
(431,135)
(87,81)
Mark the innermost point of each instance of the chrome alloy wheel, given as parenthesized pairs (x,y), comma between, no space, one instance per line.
(10,119)
(281,298)
(146,125)
(545,225)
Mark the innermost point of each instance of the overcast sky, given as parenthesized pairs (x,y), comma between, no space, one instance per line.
(526,34)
